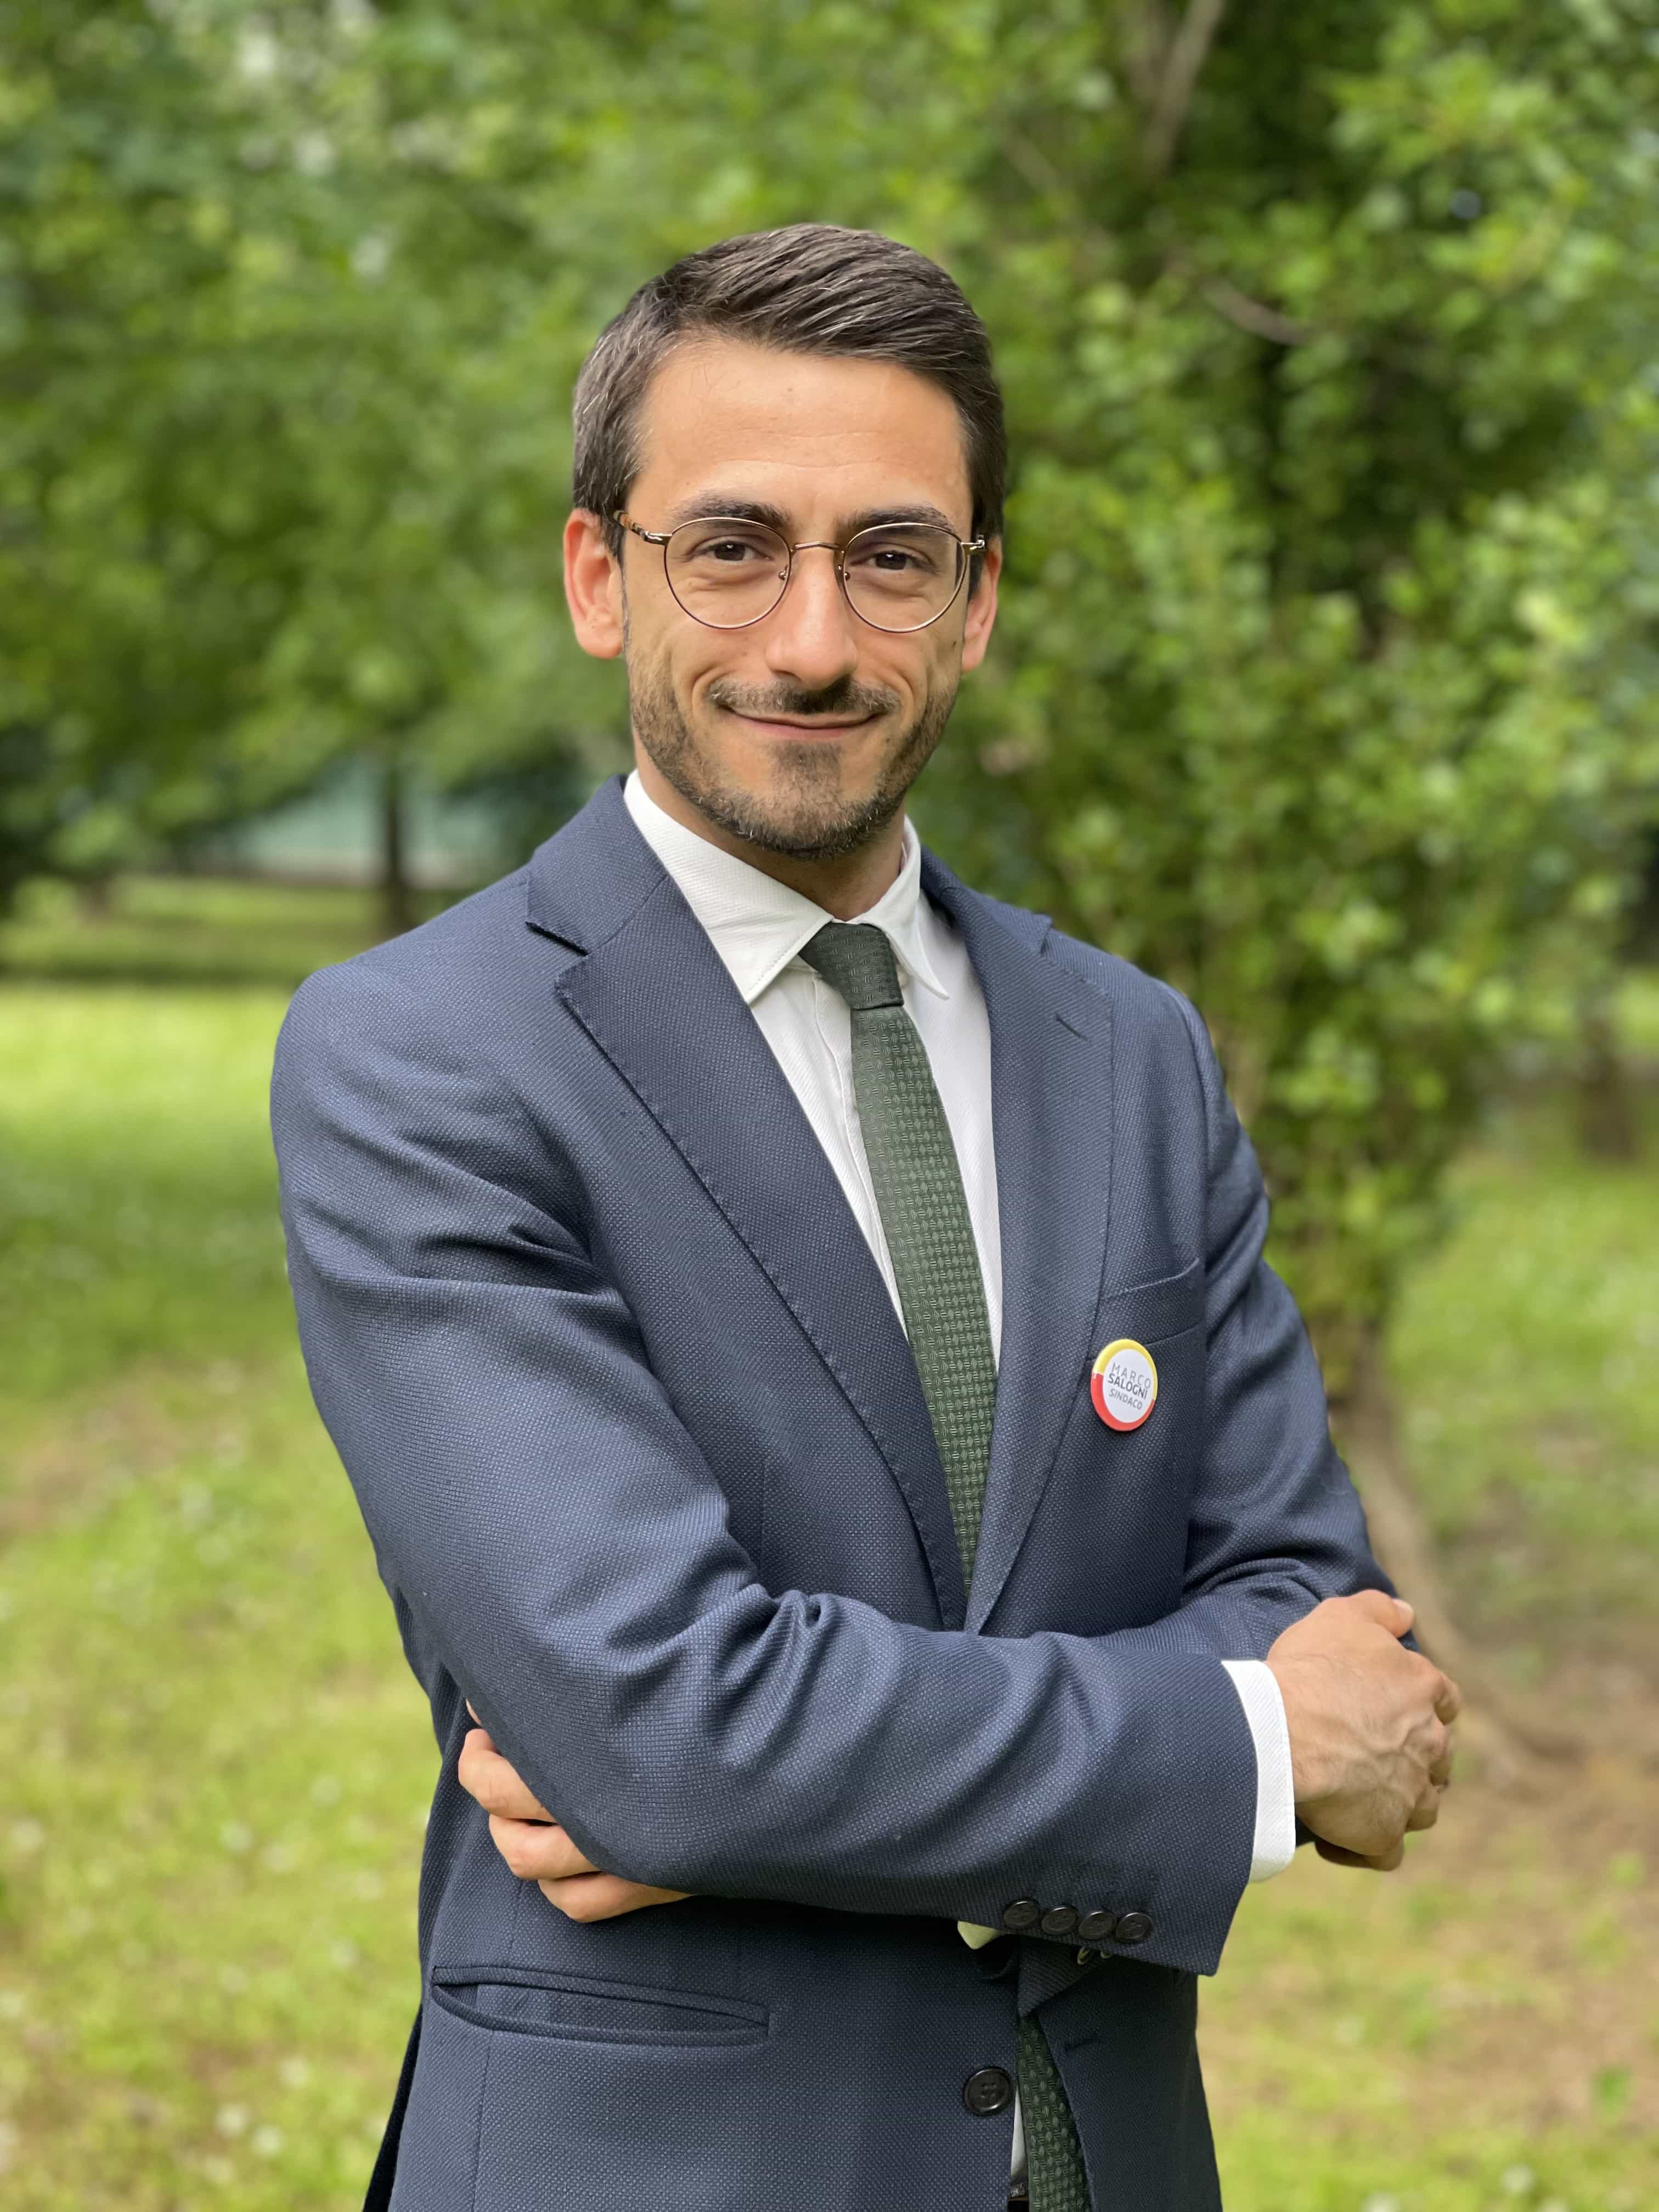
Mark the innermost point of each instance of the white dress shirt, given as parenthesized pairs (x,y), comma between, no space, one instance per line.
(758,925)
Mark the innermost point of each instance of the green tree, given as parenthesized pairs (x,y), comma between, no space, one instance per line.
(428,288)
(286,351)
(142,502)
(1317,701)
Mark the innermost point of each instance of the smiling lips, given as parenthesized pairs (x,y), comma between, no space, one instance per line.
(808,730)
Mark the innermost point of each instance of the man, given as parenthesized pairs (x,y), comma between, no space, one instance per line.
(798,1332)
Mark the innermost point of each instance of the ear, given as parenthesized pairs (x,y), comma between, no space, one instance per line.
(982,607)
(593,587)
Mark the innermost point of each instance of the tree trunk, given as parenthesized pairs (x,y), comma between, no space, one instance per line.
(1607,1127)
(1367,1423)
(397,894)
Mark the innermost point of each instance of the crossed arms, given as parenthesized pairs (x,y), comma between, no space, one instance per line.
(565,1547)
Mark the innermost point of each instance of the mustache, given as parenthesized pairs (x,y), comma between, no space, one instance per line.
(845,697)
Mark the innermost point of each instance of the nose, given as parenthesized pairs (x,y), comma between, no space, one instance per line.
(812,635)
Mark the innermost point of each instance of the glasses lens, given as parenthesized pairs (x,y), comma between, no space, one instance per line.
(903,574)
(726,572)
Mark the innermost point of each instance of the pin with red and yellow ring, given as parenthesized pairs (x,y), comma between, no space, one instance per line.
(1123,1384)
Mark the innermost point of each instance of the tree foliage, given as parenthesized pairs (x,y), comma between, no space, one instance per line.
(1316,695)
(121,618)
(1324,683)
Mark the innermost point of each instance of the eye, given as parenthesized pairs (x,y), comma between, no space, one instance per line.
(901,555)
(726,548)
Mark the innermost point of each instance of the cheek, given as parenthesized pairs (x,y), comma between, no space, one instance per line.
(664,661)
(938,676)
(913,676)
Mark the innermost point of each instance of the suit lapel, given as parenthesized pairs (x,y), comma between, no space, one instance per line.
(655,997)
(1051,1106)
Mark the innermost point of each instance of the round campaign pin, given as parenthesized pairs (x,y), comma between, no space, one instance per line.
(1123,1384)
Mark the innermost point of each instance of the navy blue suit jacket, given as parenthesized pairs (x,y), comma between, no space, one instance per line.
(650,1479)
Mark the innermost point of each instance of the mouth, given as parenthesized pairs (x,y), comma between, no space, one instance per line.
(782,727)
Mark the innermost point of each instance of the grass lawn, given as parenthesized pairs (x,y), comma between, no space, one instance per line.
(209,1840)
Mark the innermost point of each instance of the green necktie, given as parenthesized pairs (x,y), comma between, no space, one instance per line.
(930,1239)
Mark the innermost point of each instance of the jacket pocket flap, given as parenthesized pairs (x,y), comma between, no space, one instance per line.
(577,2007)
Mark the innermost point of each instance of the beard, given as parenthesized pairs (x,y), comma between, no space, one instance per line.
(806,814)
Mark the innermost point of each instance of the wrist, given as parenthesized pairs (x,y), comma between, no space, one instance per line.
(1309,1780)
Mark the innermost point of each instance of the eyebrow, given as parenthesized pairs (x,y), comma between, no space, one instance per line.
(703,505)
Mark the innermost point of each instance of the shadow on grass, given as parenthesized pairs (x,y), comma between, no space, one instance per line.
(158,975)
(172,932)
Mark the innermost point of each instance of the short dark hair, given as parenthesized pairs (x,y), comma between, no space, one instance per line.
(811,288)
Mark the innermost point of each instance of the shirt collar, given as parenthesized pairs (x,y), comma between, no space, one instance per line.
(758,924)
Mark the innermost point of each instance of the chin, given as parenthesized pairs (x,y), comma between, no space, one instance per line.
(784,823)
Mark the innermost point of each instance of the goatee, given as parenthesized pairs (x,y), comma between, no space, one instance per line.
(805,816)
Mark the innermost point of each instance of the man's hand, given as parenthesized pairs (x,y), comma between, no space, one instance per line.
(536,1849)
(1369,1721)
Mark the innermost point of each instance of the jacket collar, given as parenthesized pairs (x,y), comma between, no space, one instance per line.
(656,1000)
(593,875)
(758,924)
(653,995)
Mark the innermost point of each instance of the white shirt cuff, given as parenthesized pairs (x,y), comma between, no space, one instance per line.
(1274,1845)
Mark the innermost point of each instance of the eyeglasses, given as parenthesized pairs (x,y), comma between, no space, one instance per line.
(726,572)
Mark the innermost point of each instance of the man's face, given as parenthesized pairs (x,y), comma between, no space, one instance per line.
(802,732)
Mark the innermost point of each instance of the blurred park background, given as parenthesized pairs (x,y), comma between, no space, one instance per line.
(1325,689)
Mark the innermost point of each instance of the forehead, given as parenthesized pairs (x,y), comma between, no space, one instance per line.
(804,431)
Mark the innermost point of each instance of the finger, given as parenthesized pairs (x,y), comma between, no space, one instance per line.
(1440,1771)
(1384,1863)
(1448,1701)
(1425,1812)
(603,1896)
(485,1775)
(537,1851)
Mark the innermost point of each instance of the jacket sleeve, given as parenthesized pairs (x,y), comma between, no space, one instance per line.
(565,1548)
(1275,1523)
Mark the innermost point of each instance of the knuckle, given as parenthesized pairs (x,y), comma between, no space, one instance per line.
(508,1839)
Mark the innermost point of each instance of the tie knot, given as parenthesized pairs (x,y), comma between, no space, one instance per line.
(856,959)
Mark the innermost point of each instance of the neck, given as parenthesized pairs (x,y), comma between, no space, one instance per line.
(844,885)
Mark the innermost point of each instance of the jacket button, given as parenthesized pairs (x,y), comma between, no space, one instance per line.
(987,2091)
(1024,1912)
(1097,1927)
(1059,1920)
(1134,1927)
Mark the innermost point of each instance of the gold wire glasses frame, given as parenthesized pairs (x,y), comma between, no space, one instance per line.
(728,573)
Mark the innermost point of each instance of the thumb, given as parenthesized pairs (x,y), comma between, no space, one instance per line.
(1390,1613)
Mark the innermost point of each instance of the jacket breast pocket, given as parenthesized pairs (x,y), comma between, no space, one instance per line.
(1150,1312)
(579,2010)
(1126,1496)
